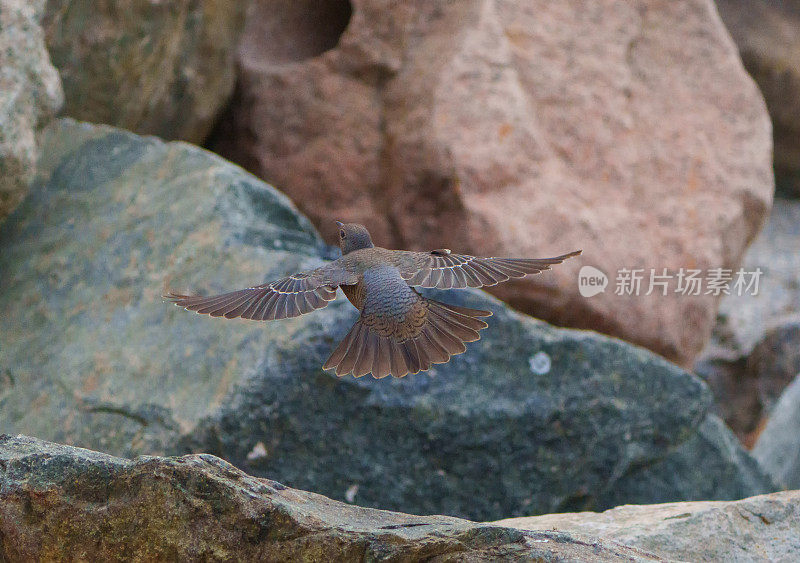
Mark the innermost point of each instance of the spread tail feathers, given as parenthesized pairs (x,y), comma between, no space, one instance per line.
(443,334)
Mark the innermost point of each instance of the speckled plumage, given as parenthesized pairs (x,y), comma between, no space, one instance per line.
(399,331)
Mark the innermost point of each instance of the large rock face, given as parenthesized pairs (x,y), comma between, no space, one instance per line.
(30,92)
(531,419)
(63,504)
(768,36)
(112,221)
(628,129)
(162,68)
(762,528)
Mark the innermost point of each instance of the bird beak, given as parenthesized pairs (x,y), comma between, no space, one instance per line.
(339,224)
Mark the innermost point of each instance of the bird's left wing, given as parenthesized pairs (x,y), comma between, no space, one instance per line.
(288,297)
(444,270)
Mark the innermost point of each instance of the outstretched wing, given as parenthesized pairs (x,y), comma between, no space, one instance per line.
(443,270)
(287,297)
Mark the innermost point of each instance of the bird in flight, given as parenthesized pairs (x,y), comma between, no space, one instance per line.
(399,331)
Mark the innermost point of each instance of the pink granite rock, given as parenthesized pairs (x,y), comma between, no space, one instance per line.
(518,128)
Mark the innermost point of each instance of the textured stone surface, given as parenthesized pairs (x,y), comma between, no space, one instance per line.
(762,528)
(555,417)
(30,92)
(778,447)
(112,220)
(711,465)
(767,33)
(63,503)
(520,128)
(164,68)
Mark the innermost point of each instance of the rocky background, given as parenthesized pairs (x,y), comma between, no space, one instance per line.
(635,130)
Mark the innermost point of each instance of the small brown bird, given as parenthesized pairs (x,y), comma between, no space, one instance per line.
(399,331)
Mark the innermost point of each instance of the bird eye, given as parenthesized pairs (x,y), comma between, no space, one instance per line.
(342,234)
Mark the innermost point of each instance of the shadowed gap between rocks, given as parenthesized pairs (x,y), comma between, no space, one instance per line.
(288,31)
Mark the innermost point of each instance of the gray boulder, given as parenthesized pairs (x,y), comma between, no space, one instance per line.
(711,465)
(59,503)
(778,447)
(531,419)
(112,221)
(30,93)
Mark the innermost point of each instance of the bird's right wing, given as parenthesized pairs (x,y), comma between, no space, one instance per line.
(288,297)
(443,270)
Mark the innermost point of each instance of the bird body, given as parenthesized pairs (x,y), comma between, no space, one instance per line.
(399,331)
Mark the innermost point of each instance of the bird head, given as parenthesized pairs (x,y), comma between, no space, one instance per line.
(353,236)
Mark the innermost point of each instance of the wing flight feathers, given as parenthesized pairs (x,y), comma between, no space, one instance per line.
(287,297)
(443,270)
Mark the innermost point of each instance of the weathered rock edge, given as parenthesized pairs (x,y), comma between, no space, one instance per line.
(30,94)
(63,503)
(759,528)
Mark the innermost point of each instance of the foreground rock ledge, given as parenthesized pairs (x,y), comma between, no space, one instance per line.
(760,528)
(63,503)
